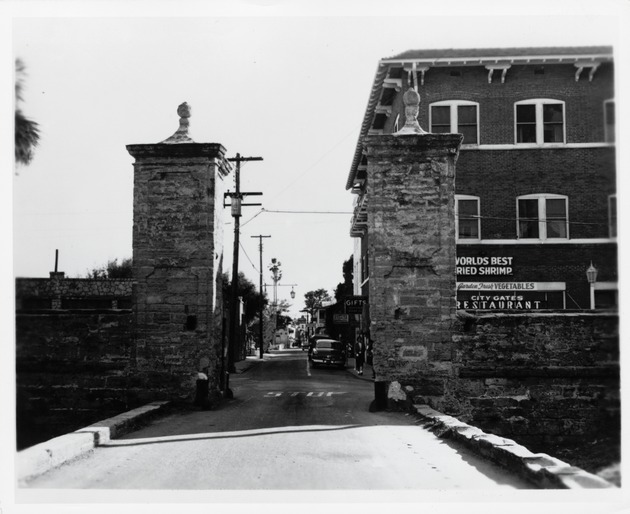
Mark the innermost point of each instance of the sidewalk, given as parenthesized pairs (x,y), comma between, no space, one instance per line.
(368,372)
(248,362)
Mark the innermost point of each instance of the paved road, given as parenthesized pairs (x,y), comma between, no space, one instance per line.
(288,427)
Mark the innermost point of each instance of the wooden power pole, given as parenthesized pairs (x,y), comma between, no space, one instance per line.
(236,204)
(262,298)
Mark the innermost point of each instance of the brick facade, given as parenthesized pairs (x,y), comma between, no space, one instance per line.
(497,169)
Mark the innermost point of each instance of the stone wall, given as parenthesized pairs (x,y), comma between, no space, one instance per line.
(58,292)
(539,378)
(71,370)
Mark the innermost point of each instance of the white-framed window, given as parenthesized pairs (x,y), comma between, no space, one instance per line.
(609,121)
(542,216)
(612,216)
(539,121)
(456,117)
(467,218)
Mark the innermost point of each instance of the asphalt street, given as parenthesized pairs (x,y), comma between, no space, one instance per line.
(289,427)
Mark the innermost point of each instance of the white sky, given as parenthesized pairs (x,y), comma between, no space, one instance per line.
(263,78)
(285,80)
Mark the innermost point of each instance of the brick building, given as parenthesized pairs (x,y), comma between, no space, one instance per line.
(535,185)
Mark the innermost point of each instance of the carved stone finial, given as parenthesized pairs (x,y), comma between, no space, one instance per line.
(181,134)
(411,99)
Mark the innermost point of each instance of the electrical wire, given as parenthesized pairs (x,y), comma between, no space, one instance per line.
(298,177)
(531,219)
(247,256)
(307,212)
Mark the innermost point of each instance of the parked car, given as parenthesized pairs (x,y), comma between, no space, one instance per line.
(328,352)
(313,339)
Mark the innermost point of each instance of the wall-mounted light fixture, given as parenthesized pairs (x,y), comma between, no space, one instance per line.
(591,276)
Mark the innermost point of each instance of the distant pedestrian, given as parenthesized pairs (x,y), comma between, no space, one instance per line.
(359,354)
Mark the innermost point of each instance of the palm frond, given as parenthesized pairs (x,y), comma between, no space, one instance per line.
(26,138)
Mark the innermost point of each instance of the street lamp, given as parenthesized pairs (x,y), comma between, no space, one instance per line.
(292,293)
(591,276)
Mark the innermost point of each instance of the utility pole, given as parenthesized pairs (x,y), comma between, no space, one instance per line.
(262,298)
(236,203)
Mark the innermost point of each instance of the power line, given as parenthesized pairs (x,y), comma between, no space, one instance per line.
(549,220)
(254,216)
(317,161)
(308,212)
(247,256)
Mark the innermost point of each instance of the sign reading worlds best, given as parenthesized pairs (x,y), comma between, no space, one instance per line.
(484,266)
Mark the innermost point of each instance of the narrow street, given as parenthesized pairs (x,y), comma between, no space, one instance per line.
(289,427)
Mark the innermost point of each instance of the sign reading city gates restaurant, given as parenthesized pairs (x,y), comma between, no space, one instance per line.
(502,295)
(354,304)
(510,295)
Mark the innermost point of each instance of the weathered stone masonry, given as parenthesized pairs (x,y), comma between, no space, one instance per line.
(411,184)
(177,260)
(59,292)
(71,370)
(543,378)
(540,378)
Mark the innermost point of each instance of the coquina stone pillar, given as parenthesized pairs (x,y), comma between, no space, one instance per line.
(411,252)
(177,263)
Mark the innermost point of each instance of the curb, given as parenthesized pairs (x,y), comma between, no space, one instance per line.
(43,457)
(537,468)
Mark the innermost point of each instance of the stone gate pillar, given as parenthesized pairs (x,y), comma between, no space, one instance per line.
(177,263)
(411,252)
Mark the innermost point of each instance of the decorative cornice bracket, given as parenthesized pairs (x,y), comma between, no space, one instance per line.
(593,65)
(492,67)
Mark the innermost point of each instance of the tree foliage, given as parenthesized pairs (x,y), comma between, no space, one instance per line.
(248,291)
(26,130)
(345,288)
(112,270)
(313,300)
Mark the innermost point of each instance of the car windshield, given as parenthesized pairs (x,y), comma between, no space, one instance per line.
(333,345)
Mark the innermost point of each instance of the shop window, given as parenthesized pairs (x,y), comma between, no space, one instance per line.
(539,121)
(456,117)
(612,216)
(542,216)
(467,217)
(609,121)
